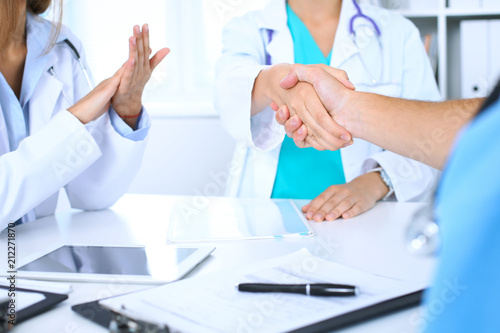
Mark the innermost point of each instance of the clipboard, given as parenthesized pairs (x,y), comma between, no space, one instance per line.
(48,302)
(371,312)
(120,322)
(147,309)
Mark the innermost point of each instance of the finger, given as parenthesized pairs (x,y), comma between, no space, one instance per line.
(306,208)
(140,48)
(299,136)
(292,125)
(339,74)
(318,202)
(107,88)
(313,74)
(274,106)
(130,65)
(321,126)
(330,205)
(290,80)
(283,115)
(356,210)
(330,133)
(158,57)
(343,206)
(302,140)
(145,41)
(114,81)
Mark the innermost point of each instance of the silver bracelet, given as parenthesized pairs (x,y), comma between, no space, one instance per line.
(387,181)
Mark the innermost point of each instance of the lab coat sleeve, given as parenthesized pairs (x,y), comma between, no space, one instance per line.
(43,163)
(412,181)
(138,134)
(108,178)
(242,59)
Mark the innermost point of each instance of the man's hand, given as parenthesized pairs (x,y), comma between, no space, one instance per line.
(331,85)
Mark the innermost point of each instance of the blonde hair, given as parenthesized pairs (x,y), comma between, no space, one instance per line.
(10,12)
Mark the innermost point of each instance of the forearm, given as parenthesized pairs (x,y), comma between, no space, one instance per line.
(423,131)
(266,87)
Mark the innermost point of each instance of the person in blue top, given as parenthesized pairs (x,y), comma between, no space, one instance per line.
(55,131)
(465,293)
(381,51)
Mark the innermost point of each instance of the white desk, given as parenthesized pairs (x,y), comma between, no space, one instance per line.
(373,242)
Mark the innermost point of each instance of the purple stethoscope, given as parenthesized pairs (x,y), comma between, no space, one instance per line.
(352,31)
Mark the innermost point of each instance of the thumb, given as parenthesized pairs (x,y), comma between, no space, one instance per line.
(291,79)
(116,78)
(340,75)
(110,85)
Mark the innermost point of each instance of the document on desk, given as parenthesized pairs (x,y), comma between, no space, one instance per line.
(198,219)
(212,303)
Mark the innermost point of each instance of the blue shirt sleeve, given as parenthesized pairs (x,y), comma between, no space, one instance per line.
(141,131)
(465,295)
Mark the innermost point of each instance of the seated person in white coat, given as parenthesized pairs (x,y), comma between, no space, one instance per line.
(55,134)
(382,52)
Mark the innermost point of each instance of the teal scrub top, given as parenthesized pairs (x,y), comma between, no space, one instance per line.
(465,295)
(305,173)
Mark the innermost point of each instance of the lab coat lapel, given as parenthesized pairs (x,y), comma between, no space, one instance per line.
(42,89)
(4,139)
(44,98)
(344,47)
(273,17)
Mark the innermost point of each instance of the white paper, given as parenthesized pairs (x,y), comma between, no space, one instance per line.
(212,303)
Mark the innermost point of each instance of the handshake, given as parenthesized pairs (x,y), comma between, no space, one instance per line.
(319,109)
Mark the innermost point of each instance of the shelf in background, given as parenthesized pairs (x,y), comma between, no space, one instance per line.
(472,12)
(416,14)
(450,12)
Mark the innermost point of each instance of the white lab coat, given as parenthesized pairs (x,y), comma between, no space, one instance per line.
(93,163)
(406,73)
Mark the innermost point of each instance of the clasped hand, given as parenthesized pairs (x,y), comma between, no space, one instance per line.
(125,88)
(333,88)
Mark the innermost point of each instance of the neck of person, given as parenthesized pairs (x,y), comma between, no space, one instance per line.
(13,56)
(316,10)
(18,37)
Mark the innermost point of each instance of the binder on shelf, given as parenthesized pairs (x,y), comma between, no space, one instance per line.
(494,51)
(474,58)
(480,51)
(423,4)
(431,47)
(464,4)
(494,4)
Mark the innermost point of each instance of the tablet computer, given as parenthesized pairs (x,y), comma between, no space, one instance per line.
(209,219)
(130,264)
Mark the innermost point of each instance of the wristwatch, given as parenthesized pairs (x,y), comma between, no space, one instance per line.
(387,181)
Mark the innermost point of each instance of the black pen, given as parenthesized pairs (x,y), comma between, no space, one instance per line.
(313,289)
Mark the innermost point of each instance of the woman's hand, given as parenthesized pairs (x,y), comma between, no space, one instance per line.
(127,101)
(347,200)
(97,102)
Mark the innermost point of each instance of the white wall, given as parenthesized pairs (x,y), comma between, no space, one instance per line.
(185,156)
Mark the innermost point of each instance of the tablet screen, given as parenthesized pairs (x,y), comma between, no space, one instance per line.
(107,260)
